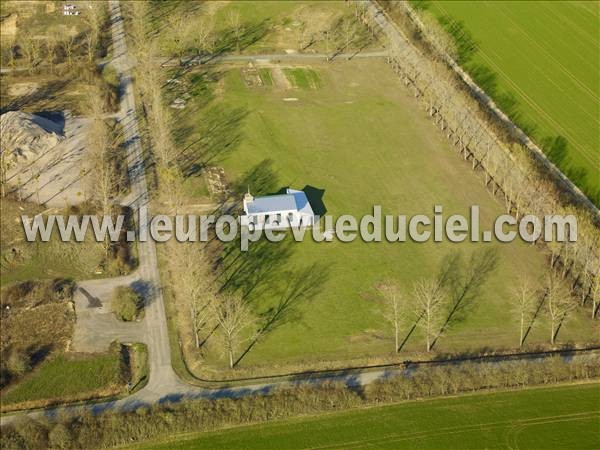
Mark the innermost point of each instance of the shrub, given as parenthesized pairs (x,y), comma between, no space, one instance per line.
(126,303)
(18,362)
(34,433)
(61,437)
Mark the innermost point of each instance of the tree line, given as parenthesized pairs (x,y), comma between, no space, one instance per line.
(509,171)
(433,306)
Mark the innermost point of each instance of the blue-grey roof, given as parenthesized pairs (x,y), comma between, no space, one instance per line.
(272,203)
(293,200)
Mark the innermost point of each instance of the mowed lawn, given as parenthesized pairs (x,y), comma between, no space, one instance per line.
(547,55)
(358,136)
(561,417)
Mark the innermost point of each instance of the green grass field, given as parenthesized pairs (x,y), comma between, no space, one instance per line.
(362,144)
(67,378)
(549,418)
(41,260)
(545,56)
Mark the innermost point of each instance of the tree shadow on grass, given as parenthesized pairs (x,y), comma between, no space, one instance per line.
(262,179)
(464,283)
(249,34)
(219,134)
(300,287)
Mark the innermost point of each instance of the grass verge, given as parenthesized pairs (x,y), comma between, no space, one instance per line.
(67,378)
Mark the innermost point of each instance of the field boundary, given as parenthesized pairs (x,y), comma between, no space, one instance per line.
(486,101)
(186,436)
(345,371)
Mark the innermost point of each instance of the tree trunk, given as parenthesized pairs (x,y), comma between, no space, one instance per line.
(521,338)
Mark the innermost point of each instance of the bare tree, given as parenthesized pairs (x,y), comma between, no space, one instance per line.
(394,309)
(558,303)
(171,180)
(524,305)
(30,48)
(236,26)
(349,31)
(94,14)
(201,37)
(139,18)
(234,318)
(429,296)
(193,281)
(181,32)
(52,42)
(68,46)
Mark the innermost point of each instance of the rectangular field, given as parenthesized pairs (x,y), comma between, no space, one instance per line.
(545,56)
(355,142)
(562,417)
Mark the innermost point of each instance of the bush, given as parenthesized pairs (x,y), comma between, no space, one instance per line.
(34,433)
(18,363)
(111,81)
(126,303)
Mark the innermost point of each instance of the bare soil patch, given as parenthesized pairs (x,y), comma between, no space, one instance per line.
(280,81)
(56,176)
(20,89)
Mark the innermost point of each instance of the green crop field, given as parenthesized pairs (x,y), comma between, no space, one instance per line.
(562,417)
(540,60)
(359,144)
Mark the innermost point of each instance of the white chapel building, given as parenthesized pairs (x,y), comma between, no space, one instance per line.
(291,209)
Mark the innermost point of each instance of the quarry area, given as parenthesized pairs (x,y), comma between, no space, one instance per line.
(45,157)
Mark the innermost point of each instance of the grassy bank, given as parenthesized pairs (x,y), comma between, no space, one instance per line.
(68,377)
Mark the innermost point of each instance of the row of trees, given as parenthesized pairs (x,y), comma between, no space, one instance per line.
(225,316)
(103,178)
(117,428)
(435,304)
(196,35)
(150,79)
(509,170)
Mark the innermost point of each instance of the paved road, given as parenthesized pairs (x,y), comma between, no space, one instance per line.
(162,378)
(170,61)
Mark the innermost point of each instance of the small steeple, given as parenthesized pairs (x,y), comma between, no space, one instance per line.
(248,198)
